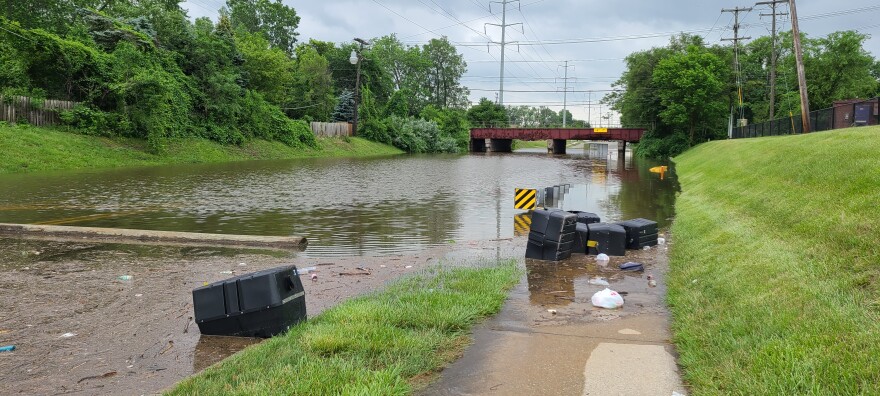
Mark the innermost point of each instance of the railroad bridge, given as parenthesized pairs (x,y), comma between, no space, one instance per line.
(501,139)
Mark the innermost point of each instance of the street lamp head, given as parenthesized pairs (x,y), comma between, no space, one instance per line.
(353,58)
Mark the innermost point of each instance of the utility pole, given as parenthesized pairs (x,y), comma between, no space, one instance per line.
(773,55)
(565,95)
(503,42)
(799,58)
(736,39)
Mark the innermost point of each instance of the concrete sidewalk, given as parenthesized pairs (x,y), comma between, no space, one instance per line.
(579,350)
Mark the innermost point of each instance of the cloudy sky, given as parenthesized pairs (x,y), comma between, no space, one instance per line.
(593,35)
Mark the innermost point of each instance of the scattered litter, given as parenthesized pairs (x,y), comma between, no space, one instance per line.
(629,332)
(242,264)
(226,272)
(363,269)
(138,295)
(130,366)
(632,266)
(607,298)
(652,283)
(408,266)
(382,266)
(124,277)
(552,311)
(26,268)
(105,375)
(306,270)
(694,281)
(354,273)
(598,281)
(646,248)
(602,259)
(661,241)
(7,348)
(314,276)
(205,283)
(67,335)
(674,393)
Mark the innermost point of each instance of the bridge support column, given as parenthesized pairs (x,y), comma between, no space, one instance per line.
(622,147)
(501,145)
(558,146)
(478,145)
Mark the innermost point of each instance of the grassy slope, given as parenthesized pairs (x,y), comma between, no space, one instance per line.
(26,148)
(381,344)
(775,280)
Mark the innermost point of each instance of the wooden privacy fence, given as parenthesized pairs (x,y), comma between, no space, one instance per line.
(24,109)
(325,129)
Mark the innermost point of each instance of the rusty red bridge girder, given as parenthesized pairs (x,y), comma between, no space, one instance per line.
(500,138)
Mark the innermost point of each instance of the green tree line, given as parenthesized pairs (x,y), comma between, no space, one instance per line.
(685,92)
(143,68)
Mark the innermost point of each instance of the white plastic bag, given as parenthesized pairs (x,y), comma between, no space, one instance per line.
(602,259)
(607,298)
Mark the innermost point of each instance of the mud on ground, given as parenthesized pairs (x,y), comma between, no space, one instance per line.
(79,328)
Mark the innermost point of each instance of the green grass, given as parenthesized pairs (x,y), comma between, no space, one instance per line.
(386,343)
(28,149)
(775,273)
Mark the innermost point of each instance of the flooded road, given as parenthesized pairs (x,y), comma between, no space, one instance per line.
(345,207)
(81,329)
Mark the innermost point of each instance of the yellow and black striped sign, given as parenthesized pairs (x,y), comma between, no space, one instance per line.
(525,198)
(522,224)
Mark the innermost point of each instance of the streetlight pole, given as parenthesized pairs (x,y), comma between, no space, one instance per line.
(356,59)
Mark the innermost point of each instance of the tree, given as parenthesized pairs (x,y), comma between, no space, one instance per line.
(344,111)
(274,20)
(691,90)
(266,70)
(443,75)
(313,86)
(488,114)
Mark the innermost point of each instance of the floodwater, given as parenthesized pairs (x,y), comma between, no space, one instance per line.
(344,207)
(80,329)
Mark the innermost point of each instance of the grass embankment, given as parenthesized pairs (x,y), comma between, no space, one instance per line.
(386,343)
(775,276)
(27,149)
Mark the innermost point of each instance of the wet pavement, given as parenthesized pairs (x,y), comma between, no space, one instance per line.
(79,328)
(550,340)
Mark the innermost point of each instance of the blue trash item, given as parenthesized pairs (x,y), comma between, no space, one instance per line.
(7,348)
(631,266)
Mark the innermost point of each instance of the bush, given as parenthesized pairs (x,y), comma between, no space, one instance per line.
(654,146)
(91,121)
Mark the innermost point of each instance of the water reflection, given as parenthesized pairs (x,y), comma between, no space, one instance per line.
(369,206)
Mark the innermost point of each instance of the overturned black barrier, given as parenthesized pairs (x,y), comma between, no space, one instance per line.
(551,235)
(607,238)
(259,304)
(586,217)
(640,233)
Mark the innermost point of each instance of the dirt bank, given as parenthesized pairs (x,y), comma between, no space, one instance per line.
(80,329)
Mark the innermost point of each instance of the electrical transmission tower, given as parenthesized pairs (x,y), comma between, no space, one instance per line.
(774,55)
(503,42)
(565,94)
(736,39)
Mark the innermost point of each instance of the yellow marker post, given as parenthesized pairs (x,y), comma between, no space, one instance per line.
(525,198)
(600,130)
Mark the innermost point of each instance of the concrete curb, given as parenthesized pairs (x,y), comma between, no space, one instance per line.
(128,236)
